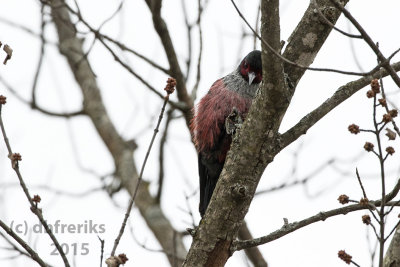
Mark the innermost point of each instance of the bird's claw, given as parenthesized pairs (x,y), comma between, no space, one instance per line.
(233,121)
(191,231)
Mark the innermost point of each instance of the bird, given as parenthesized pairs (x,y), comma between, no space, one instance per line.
(233,92)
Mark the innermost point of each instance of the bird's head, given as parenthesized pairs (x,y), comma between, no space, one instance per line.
(251,68)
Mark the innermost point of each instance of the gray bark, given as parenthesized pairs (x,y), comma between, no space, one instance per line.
(257,143)
(392,257)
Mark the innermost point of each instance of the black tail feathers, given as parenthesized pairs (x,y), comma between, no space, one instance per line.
(209,171)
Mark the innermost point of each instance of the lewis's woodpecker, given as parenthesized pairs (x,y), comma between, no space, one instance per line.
(235,91)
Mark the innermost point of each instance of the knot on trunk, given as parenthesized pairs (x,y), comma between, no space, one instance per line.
(239,192)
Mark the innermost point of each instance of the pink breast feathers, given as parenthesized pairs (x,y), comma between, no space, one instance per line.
(211,112)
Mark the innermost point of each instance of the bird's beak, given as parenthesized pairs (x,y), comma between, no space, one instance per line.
(252,76)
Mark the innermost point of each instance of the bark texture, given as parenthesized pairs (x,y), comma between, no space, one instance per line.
(122,153)
(392,257)
(257,143)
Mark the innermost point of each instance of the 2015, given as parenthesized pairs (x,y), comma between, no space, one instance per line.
(83,249)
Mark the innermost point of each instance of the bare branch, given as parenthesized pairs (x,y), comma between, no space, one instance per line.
(101,250)
(15,157)
(133,197)
(361,184)
(326,20)
(20,241)
(122,153)
(130,50)
(291,227)
(343,93)
(41,55)
(370,42)
(163,141)
(162,30)
(199,56)
(67,115)
(300,66)
(143,245)
(59,192)
(392,231)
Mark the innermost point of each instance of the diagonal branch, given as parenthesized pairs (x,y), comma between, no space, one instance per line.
(130,50)
(39,108)
(291,227)
(343,93)
(162,30)
(370,42)
(308,37)
(15,157)
(326,20)
(297,65)
(321,216)
(133,197)
(20,241)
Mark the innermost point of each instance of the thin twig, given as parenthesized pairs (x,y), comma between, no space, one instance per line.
(327,21)
(395,127)
(81,194)
(321,216)
(132,200)
(34,208)
(41,56)
(117,10)
(343,93)
(376,233)
(385,62)
(300,181)
(199,57)
(125,48)
(189,28)
(291,227)
(189,210)
(101,250)
(143,245)
(391,208)
(383,185)
(299,65)
(130,70)
(360,182)
(256,26)
(101,37)
(38,108)
(392,231)
(13,246)
(161,155)
(20,241)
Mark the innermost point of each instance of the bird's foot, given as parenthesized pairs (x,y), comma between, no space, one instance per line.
(191,231)
(233,122)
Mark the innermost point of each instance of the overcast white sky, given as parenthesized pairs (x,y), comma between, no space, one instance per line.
(49,145)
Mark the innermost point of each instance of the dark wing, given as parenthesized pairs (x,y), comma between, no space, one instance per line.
(209,170)
(203,180)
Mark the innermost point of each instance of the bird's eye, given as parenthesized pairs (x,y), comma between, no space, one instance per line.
(245,65)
